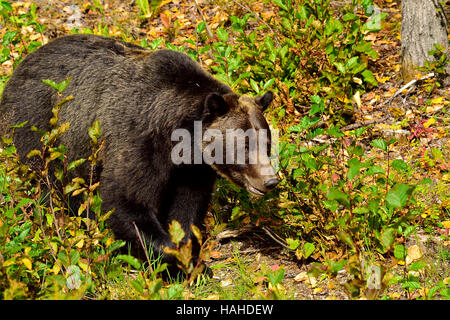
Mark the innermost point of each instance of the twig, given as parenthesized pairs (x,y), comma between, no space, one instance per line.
(143,246)
(406,86)
(210,35)
(269,233)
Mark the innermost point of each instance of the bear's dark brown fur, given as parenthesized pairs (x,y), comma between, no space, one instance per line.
(139,97)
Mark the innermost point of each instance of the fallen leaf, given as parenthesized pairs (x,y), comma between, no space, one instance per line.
(317,290)
(429,122)
(226,282)
(437,100)
(414,253)
(357,99)
(215,254)
(302,277)
(165,20)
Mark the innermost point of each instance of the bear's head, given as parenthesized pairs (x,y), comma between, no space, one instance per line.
(237,140)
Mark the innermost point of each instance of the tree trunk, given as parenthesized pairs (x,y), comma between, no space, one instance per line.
(423,24)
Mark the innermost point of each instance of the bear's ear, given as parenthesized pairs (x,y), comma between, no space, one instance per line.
(215,106)
(265,100)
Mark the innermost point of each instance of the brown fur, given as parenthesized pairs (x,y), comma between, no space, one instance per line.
(139,97)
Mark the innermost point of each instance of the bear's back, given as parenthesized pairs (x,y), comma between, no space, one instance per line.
(129,89)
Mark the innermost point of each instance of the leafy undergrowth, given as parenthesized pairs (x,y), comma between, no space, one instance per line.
(362,209)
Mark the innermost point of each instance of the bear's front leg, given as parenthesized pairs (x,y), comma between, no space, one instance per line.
(128,219)
(187,198)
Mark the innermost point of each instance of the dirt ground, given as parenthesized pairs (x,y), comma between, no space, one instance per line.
(255,248)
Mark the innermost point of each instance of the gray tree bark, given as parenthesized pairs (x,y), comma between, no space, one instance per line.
(424,23)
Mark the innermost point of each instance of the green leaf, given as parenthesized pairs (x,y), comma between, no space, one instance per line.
(373,24)
(335,194)
(268,84)
(335,132)
(222,34)
(346,238)
(132,261)
(63,85)
(95,131)
(276,277)
(331,205)
(411,285)
(116,245)
(398,195)
(302,13)
(387,238)
(308,249)
(400,252)
(60,87)
(349,17)
(369,78)
(200,27)
(416,266)
(75,164)
(137,285)
(6,6)
(380,144)
(293,243)
(337,266)
(308,122)
(254,85)
(354,168)
(281,4)
(340,66)
(51,83)
(374,170)
(399,165)
(351,63)
(176,232)
(409,230)
(20,125)
(333,26)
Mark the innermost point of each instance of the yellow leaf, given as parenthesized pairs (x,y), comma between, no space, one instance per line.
(357,80)
(429,122)
(55,269)
(357,99)
(80,244)
(27,263)
(382,79)
(302,276)
(83,266)
(394,295)
(317,290)
(8,263)
(109,241)
(54,246)
(446,224)
(27,250)
(437,100)
(397,112)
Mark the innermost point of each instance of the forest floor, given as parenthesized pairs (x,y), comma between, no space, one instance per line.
(250,245)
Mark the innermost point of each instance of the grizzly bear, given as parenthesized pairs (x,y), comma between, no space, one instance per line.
(140,98)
